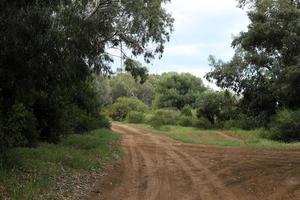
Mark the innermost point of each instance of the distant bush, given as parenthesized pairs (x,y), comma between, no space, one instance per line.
(202,123)
(186,111)
(164,117)
(285,126)
(135,117)
(186,121)
(245,122)
(123,105)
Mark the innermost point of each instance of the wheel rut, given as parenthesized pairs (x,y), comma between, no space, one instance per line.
(158,168)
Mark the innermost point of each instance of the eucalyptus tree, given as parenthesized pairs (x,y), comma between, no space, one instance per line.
(49,49)
(265,69)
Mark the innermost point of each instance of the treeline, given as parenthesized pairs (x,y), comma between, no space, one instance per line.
(261,83)
(52,53)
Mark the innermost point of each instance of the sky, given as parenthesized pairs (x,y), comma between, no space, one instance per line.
(202,28)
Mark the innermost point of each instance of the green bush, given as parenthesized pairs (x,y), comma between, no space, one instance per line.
(123,105)
(186,111)
(245,122)
(79,121)
(135,117)
(202,123)
(20,128)
(285,126)
(164,117)
(186,121)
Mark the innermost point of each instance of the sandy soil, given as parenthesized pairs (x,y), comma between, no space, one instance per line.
(157,168)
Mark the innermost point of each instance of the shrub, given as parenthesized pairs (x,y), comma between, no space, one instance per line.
(135,117)
(20,128)
(123,105)
(186,121)
(79,121)
(186,111)
(202,123)
(164,117)
(285,126)
(246,122)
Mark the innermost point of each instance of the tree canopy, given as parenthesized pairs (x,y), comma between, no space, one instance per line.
(49,49)
(265,69)
(177,90)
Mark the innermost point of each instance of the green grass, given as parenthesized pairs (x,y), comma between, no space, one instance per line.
(249,139)
(35,173)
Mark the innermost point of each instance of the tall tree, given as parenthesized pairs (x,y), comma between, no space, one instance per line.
(266,66)
(49,49)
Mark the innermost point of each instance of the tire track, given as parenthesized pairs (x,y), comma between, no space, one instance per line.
(159,168)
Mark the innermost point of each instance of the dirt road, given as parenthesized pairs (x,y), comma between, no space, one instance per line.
(158,168)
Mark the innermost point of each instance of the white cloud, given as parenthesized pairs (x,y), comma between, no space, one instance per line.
(187,12)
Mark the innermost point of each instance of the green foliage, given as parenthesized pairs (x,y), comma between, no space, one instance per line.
(202,123)
(50,171)
(216,106)
(164,117)
(135,117)
(51,51)
(20,128)
(124,105)
(285,126)
(175,90)
(186,111)
(246,122)
(124,85)
(265,68)
(186,121)
(136,69)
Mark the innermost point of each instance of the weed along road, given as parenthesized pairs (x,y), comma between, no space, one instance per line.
(157,168)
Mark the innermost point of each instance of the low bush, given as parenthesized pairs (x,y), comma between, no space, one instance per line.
(285,126)
(79,121)
(245,122)
(135,117)
(202,123)
(186,121)
(164,117)
(20,128)
(123,105)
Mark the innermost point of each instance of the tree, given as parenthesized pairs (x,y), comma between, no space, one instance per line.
(265,69)
(124,85)
(50,49)
(216,106)
(177,90)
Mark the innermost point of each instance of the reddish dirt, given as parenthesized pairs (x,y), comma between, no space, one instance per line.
(157,168)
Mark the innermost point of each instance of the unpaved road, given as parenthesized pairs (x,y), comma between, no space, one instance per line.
(157,168)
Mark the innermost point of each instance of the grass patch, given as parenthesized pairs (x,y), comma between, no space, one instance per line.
(248,139)
(35,173)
